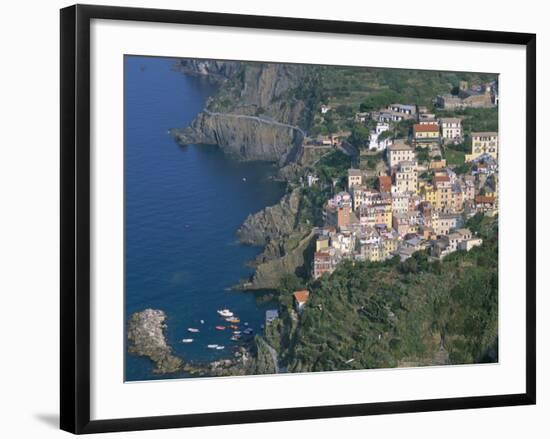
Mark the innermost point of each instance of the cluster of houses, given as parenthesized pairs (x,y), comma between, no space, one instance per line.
(481,96)
(402,213)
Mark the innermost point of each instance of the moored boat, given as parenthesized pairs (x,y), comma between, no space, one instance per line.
(212,346)
(219,348)
(220,328)
(187,340)
(192,329)
(233,320)
(225,312)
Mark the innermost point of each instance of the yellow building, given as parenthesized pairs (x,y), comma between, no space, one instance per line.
(425,134)
(428,193)
(384,215)
(443,193)
(321,243)
(483,143)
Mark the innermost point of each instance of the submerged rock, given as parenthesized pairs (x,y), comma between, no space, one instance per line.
(146,338)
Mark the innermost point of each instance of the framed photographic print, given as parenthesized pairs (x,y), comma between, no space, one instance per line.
(269,218)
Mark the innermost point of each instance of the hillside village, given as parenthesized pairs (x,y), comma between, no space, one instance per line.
(402,195)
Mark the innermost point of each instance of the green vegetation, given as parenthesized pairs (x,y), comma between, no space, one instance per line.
(392,313)
(330,170)
(332,166)
(454,157)
(367,88)
(422,155)
(475,119)
(360,136)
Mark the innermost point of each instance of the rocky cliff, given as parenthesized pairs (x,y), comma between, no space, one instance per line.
(259,112)
(146,338)
(272,223)
(243,137)
(285,240)
(215,71)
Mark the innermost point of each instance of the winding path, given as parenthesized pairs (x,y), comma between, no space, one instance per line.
(273,353)
(257,119)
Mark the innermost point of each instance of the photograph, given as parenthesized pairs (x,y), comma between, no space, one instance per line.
(284,218)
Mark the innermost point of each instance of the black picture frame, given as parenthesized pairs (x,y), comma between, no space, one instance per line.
(75,217)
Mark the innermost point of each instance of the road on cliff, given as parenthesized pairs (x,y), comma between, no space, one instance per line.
(257,119)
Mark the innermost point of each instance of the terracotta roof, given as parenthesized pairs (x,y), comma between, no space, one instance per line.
(321,255)
(384,183)
(301,296)
(441,178)
(485,199)
(427,127)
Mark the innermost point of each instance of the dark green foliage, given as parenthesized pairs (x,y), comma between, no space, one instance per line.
(422,155)
(403,129)
(360,136)
(333,165)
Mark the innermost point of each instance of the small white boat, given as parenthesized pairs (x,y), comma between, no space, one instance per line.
(237,332)
(245,323)
(244,178)
(225,313)
(235,338)
(219,348)
(187,340)
(212,346)
(202,322)
(192,329)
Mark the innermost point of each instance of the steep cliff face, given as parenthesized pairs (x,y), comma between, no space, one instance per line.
(259,112)
(272,223)
(244,137)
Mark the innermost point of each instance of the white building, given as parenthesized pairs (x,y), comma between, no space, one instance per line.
(406,178)
(451,129)
(399,152)
(375,141)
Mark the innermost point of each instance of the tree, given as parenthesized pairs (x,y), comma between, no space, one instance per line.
(360,136)
(344,111)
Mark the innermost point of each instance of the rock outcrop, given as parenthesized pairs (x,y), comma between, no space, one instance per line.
(259,112)
(268,274)
(272,223)
(215,71)
(243,137)
(146,337)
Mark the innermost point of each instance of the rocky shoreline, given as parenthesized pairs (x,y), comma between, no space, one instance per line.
(146,337)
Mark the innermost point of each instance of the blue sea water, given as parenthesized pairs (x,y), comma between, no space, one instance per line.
(183,205)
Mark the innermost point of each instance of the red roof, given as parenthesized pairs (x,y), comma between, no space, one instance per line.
(485,199)
(384,183)
(441,178)
(301,296)
(426,127)
(321,255)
